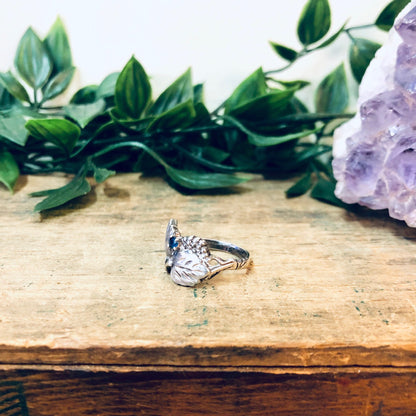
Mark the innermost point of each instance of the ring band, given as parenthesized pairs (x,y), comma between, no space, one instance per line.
(189,259)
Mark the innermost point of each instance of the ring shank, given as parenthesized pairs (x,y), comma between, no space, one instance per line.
(242,256)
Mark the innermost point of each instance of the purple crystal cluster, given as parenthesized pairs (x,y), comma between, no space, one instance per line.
(375,162)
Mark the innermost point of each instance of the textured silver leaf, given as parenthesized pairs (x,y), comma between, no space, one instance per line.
(188,269)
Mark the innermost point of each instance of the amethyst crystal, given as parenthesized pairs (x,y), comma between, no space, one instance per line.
(375,152)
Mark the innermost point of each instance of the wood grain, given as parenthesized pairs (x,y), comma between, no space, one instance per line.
(88,286)
(216,393)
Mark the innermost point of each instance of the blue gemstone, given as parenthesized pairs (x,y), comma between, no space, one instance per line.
(173,243)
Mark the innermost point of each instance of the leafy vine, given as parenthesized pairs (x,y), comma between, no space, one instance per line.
(117,125)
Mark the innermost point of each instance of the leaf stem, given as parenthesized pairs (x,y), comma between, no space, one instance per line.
(138,145)
(35,99)
(207,163)
(93,136)
(118,146)
(278,70)
(53,107)
(360,27)
(301,54)
(353,40)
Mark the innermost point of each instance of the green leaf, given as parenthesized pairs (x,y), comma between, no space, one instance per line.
(6,99)
(332,38)
(102,174)
(13,129)
(178,92)
(300,187)
(84,113)
(108,86)
(309,154)
(252,87)
(242,154)
(57,44)
(264,141)
(297,107)
(198,180)
(266,107)
(9,171)
(133,90)
(186,178)
(209,157)
(14,87)
(324,191)
(198,93)
(386,18)
(284,52)
(214,154)
(58,84)
(85,95)
(202,116)
(314,22)
(180,116)
(32,60)
(133,125)
(78,186)
(62,133)
(324,165)
(296,84)
(332,93)
(362,51)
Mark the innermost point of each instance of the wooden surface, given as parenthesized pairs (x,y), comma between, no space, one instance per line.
(86,288)
(178,394)
(327,288)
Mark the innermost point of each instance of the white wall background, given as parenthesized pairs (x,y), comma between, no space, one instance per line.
(222,40)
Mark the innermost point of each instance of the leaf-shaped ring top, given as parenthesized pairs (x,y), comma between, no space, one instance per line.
(189,259)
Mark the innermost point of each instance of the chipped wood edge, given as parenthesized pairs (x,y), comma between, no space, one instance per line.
(216,356)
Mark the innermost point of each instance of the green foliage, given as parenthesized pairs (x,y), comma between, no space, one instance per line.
(285,52)
(301,186)
(44,65)
(181,115)
(9,170)
(133,90)
(84,113)
(386,18)
(265,141)
(14,87)
(332,38)
(102,174)
(204,180)
(324,191)
(6,99)
(32,60)
(58,84)
(77,187)
(264,106)
(314,22)
(117,125)
(13,129)
(85,95)
(362,51)
(251,88)
(107,86)
(60,132)
(57,44)
(332,94)
(179,92)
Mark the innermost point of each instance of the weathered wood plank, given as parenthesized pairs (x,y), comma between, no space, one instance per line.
(215,393)
(328,287)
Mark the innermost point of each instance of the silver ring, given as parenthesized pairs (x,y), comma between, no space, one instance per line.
(189,259)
